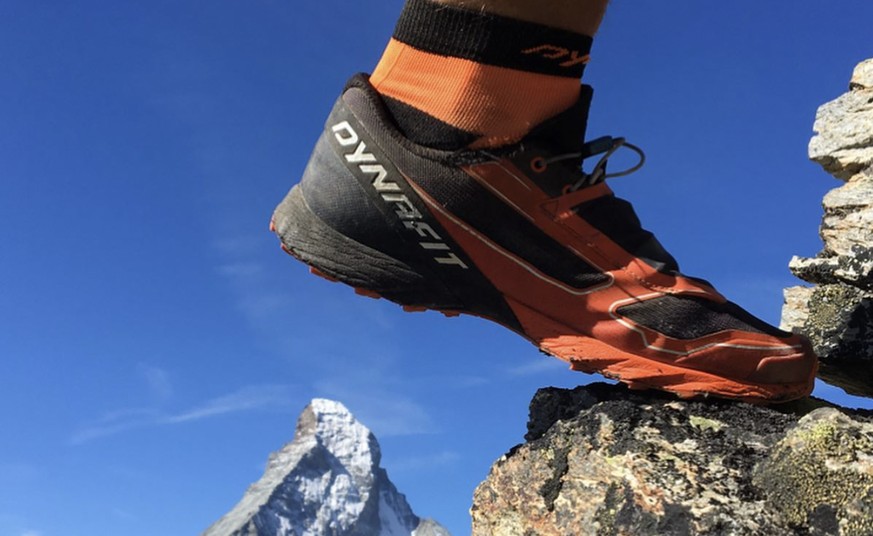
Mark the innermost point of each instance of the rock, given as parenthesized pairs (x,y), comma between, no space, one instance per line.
(844,144)
(327,481)
(841,321)
(855,269)
(795,312)
(862,77)
(603,460)
(848,219)
(821,474)
(840,326)
(838,320)
(836,315)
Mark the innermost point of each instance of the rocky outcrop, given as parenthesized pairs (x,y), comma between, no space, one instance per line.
(327,482)
(837,313)
(843,144)
(603,460)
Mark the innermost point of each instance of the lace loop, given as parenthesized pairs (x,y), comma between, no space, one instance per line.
(607,146)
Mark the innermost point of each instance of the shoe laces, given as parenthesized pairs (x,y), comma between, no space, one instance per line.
(605,146)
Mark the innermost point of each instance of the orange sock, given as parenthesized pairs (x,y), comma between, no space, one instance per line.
(457,78)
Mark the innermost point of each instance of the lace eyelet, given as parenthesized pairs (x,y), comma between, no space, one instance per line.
(538,164)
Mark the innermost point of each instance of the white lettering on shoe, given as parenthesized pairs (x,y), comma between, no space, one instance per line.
(350,137)
(379,182)
(359,156)
(389,191)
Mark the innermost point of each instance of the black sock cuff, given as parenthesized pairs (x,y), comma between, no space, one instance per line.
(425,129)
(492,39)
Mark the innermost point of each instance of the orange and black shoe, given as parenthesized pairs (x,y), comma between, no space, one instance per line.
(524,237)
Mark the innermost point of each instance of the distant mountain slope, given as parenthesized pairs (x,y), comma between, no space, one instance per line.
(326,482)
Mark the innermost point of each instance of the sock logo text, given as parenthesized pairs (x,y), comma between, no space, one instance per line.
(552,52)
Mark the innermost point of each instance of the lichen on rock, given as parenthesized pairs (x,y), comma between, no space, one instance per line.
(821,474)
(612,461)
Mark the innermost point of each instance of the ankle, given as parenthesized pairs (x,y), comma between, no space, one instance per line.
(455,77)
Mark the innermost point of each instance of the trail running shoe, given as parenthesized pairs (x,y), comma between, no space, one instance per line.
(524,237)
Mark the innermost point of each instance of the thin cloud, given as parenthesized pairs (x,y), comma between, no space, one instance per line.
(124,515)
(12,473)
(398,416)
(538,366)
(250,398)
(158,381)
(248,280)
(467,382)
(383,411)
(238,245)
(241,269)
(246,399)
(114,423)
(423,463)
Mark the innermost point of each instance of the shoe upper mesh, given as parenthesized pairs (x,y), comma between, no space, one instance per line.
(500,223)
(616,219)
(690,317)
(504,226)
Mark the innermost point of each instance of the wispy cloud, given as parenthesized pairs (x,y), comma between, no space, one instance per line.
(16,525)
(381,409)
(396,416)
(537,366)
(241,269)
(13,474)
(426,462)
(248,280)
(158,381)
(235,245)
(246,399)
(114,422)
(124,515)
(250,398)
(465,382)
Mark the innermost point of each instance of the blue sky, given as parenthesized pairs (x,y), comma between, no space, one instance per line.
(158,345)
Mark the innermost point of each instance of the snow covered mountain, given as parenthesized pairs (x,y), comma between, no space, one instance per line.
(326,482)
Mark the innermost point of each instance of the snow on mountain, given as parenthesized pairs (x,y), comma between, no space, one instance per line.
(326,482)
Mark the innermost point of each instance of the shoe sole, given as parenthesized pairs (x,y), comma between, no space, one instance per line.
(373,274)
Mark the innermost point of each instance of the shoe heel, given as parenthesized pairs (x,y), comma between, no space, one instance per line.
(330,253)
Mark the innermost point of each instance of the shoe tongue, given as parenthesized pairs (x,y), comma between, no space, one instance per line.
(565,132)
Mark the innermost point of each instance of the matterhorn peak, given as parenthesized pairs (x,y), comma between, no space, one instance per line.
(327,481)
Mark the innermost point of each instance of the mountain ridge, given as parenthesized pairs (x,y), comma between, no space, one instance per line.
(327,481)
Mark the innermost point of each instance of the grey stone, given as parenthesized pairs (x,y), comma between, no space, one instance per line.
(844,144)
(838,320)
(855,269)
(862,77)
(794,311)
(848,216)
(816,269)
(617,462)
